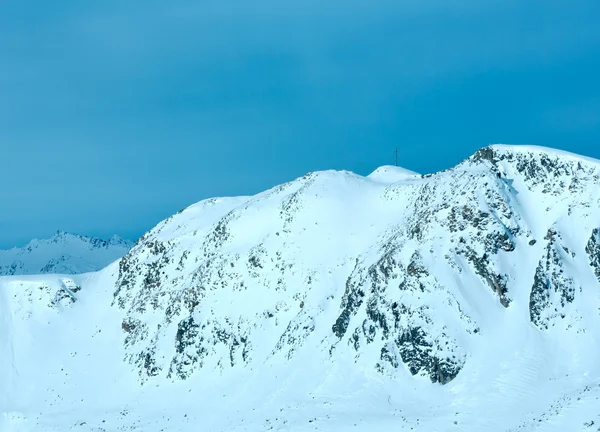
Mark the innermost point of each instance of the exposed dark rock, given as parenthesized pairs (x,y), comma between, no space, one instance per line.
(128,326)
(551,289)
(593,250)
(418,354)
(483,268)
(486,153)
(353,299)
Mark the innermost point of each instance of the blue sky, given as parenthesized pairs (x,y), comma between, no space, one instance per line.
(116,114)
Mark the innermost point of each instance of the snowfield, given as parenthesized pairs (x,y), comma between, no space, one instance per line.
(466,300)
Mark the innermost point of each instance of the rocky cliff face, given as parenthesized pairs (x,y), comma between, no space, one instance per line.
(393,274)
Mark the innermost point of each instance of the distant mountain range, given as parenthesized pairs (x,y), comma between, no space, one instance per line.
(63,253)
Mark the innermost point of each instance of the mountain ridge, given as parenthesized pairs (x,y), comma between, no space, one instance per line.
(62,253)
(467,298)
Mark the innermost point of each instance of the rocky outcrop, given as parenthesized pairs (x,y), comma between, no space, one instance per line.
(381,272)
(552,289)
(407,331)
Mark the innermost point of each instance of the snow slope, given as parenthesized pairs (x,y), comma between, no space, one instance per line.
(392,174)
(62,253)
(466,300)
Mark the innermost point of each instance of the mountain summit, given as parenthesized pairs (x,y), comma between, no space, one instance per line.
(467,300)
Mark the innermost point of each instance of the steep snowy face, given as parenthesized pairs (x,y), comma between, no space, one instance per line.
(403,276)
(63,253)
(562,200)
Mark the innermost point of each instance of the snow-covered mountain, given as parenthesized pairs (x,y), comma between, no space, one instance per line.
(465,300)
(62,253)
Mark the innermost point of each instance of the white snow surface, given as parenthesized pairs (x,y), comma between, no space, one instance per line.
(62,253)
(392,174)
(467,300)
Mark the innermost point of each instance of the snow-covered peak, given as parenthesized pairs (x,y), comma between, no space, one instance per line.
(466,299)
(392,174)
(64,253)
(118,240)
(66,237)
